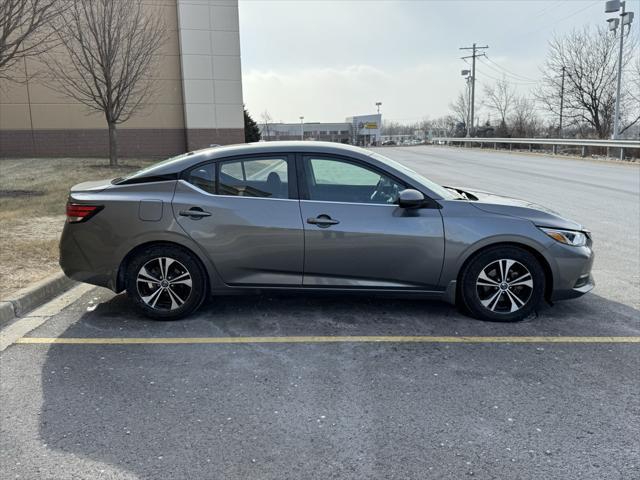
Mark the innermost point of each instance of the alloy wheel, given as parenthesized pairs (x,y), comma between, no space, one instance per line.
(504,286)
(164,283)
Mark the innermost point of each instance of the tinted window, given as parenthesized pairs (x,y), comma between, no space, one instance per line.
(260,177)
(203,177)
(339,181)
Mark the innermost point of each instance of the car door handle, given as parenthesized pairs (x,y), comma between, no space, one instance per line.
(195,213)
(322,221)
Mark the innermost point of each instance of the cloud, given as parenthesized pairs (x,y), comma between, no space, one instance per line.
(331,94)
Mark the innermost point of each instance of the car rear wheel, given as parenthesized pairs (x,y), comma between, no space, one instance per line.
(166,282)
(502,284)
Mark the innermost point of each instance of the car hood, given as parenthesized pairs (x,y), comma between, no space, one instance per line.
(539,215)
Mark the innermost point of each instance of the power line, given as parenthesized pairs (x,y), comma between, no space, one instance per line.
(547,8)
(505,78)
(513,80)
(560,19)
(522,77)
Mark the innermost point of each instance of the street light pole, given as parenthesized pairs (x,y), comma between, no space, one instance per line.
(616,118)
(301,128)
(561,102)
(378,105)
(614,6)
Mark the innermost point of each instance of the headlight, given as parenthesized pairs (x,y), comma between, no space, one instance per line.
(568,237)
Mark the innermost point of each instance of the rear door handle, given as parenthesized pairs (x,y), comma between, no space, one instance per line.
(322,221)
(194,212)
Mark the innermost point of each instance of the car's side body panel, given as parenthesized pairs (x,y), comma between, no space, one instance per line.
(373,246)
(252,241)
(93,251)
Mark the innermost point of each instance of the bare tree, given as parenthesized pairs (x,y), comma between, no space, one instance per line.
(266,121)
(589,58)
(500,98)
(523,120)
(460,107)
(109,49)
(444,126)
(25,30)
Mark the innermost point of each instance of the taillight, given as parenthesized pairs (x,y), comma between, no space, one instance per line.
(80,213)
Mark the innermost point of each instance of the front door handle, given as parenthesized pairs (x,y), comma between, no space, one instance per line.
(322,221)
(194,213)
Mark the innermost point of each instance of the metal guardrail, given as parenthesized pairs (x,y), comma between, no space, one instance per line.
(622,145)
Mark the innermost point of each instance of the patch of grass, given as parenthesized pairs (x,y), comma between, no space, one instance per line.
(32,208)
(49,179)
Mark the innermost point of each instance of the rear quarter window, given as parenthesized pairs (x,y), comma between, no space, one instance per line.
(203,177)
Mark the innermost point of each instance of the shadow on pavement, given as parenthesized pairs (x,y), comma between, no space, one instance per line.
(343,410)
(287,314)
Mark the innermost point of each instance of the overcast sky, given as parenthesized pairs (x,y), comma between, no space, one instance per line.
(328,59)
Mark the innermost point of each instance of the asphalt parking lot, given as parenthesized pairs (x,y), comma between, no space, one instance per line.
(436,396)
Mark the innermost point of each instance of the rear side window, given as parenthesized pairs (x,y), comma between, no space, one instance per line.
(259,177)
(251,177)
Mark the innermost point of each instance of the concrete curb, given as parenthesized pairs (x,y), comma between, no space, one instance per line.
(33,296)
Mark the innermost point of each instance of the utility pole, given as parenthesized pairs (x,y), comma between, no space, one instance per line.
(469,114)
(301,127)
(469,120)
(473,56)
(561,102)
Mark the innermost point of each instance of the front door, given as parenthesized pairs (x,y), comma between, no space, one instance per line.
(244,213)
(357,236)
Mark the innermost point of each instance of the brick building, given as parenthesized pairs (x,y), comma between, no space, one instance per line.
(199,99)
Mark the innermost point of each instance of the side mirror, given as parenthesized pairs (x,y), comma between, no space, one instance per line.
(410,198)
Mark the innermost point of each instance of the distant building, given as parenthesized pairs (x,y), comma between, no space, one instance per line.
(326,132)
(356,130)
(366,129)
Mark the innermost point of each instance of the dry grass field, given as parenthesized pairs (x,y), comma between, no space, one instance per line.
(33,194)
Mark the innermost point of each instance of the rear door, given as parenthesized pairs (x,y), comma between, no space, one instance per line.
(244,213)
(355,233)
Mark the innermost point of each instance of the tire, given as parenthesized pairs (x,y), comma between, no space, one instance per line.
(487,295)
(166,282)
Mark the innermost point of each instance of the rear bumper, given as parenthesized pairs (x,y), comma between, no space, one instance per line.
(76,265)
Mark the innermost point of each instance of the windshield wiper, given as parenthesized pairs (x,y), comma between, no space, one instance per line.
(459,193)
(464,195)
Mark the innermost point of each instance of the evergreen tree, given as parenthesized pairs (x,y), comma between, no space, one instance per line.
(251,130)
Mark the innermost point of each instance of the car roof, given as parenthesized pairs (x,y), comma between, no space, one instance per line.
(284,146)
(184,161)
(169,168)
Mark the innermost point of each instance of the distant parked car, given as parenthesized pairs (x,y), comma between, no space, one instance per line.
(320,217)
(388,142)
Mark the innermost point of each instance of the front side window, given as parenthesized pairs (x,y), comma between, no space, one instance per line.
(260,177)
(334,180)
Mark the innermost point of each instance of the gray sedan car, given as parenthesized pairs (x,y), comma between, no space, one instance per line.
(316,216)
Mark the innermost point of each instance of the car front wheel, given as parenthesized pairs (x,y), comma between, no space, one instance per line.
(502,284)
(166,282)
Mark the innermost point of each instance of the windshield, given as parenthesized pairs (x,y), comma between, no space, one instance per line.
(434,187)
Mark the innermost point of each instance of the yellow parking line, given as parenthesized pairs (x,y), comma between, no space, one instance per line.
(325,339)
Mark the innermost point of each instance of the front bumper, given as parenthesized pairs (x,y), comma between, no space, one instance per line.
(572,273)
